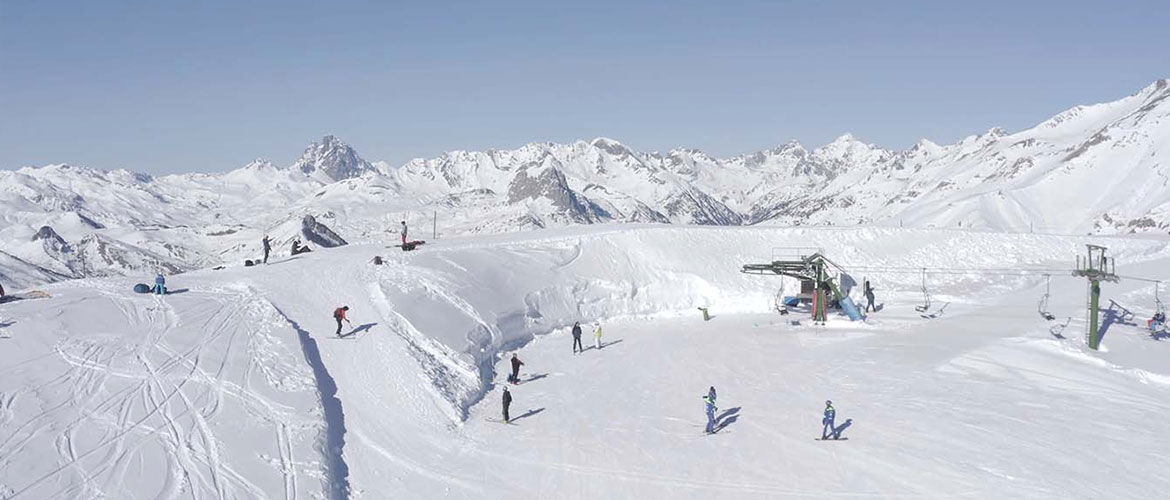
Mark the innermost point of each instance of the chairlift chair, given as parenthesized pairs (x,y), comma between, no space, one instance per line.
(1042,307)
(925,295)
(1158,327)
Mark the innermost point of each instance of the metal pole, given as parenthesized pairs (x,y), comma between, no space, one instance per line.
(1094,301)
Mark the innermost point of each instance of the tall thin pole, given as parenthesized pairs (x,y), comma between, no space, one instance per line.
(1094,302)
(435,225)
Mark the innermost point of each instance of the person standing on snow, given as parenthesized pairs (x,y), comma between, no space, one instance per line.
(577,338)
(1,292)
(830,414)
(597,335)
(869,297)
(267,247)
(403,232)
(339,315)
(507,400)
(160,285)
(709,399)
(516,363)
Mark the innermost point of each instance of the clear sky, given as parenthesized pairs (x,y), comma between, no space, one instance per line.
(174,86)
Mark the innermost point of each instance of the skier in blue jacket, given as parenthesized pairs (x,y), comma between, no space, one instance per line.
(830,414)
(160,285)
(711,409)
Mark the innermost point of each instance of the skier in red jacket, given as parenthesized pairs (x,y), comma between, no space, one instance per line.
(514,378)
(339,315)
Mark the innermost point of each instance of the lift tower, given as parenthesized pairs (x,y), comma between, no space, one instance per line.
(1096,268)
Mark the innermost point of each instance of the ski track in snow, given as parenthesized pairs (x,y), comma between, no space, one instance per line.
(154,394)
(333,442)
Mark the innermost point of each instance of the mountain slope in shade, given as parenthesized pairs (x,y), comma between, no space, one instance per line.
(1097,169)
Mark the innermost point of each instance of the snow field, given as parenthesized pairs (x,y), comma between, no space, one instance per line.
(983,402)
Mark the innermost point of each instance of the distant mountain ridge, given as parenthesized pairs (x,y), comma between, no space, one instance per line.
(1101,168)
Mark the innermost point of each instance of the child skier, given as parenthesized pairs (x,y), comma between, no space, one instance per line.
(597,335)
(577,338)
(339,315)
(709,399)
(514,378)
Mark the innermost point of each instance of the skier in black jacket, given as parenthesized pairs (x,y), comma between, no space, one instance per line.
(507,403)
(577,338)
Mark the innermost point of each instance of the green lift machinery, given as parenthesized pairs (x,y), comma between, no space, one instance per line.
(1096,268)
(810,266)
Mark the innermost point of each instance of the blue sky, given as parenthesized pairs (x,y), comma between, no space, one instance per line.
(166,87)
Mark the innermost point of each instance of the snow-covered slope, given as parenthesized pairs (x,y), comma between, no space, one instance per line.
(1093,169)
(236,387)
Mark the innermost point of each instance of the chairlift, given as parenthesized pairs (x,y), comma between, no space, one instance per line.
(1157,324)
(925,295)
(1158,307)
(1042,307)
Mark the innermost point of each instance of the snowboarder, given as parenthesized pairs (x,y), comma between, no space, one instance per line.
(160,285)
(514,378)
(709,399)
(507,402)
(577,338)
(267,247)
(869,297)
(830,414)
(403,233)
(597,335)
(339,315)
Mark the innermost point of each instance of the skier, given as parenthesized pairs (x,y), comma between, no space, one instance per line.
(577,338)
(869,297)
(514,378)
(267,247)
(830,414)
(404,232)
(709,399)
(507,403)
(597,335)
(160,285)
(339,315)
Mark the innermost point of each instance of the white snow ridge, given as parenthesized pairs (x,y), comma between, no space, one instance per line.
(235,385)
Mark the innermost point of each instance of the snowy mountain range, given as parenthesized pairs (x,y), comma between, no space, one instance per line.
(1097,169)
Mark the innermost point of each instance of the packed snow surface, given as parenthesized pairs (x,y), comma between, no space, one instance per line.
(234,385)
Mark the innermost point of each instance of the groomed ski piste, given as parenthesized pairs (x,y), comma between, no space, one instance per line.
(234,385)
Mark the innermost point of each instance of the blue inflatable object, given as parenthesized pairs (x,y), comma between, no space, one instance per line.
(850,309)
(142,288)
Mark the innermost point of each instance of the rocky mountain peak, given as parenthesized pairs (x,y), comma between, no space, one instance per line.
(332,160)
